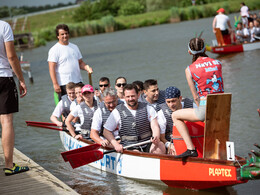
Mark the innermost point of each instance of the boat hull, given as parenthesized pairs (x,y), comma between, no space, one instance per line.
(235,48)
(195,173)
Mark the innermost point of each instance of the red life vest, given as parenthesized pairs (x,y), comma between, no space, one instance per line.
(207,76)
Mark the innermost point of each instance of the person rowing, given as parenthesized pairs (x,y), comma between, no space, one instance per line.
(84,111)
(204,77)
(173,102)
(101,115)
(136,121)
(63,107)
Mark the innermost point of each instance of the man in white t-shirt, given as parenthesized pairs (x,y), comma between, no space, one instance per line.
(63,107)
(101,115)
(173,102)
(244,12)
(222,22)
(136,121)
(65,61)
(9,63)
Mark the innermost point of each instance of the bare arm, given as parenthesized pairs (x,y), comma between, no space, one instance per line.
(156,131)
(55,120)
(70,127)
(110,137)
(94,134)
(192,87)
(15,64)
(84,66)
(214,24)
(56,87)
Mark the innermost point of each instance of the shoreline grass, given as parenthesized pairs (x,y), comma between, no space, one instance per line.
(43,26)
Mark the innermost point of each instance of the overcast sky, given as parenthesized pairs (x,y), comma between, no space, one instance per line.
(29,3)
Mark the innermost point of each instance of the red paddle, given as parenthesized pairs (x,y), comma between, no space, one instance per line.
(40,123)
(45,125)
(80,157)
(80,150)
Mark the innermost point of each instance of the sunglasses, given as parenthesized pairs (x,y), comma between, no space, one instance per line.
(121,84)
(105,85)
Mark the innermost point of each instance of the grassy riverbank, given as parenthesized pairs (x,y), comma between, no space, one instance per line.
(42,26)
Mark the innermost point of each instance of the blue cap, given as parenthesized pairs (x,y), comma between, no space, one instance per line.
(172,92)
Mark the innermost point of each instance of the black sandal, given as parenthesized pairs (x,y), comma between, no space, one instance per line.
(16,169)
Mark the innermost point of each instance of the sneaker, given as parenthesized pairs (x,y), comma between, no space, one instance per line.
(188,153)
(16,169)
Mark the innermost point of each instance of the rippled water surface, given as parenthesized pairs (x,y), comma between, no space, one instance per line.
(158,52)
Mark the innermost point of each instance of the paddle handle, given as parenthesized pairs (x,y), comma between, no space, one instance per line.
(129,146)
(90,78)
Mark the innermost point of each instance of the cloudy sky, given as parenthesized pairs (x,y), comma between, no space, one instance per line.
(19,3)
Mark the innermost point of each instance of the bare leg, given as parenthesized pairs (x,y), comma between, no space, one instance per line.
(178,118)
(158,149)
(8,138)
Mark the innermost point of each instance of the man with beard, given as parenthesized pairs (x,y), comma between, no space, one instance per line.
(101,114)
(173,102)
(153,96)
(136,121)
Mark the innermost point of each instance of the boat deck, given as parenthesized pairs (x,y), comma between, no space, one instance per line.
(35,181)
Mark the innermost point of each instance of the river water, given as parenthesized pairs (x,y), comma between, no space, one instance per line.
(158,52)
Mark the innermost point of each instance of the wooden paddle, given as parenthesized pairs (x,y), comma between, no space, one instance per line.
(81,157)
(45,125)
(90,78)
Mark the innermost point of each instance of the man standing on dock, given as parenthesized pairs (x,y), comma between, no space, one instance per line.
(9,95)
(65,61)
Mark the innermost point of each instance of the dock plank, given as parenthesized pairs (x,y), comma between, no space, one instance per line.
(35,181)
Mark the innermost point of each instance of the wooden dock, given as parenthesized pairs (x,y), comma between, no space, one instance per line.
(35,181)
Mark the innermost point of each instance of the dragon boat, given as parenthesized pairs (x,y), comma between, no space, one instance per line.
(234,48)
(216,166)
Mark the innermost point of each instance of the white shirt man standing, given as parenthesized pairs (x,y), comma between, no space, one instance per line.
(65,61)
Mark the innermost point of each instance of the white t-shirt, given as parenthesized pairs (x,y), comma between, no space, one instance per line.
(59,109)
(77,112)
(222,21)
(73,105)
(114,120)
(6,35)
(162,120)
(244,11)
(67,58)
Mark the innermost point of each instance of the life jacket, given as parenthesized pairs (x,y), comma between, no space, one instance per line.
(88,116)
(105,114)
(134,129)
(207,76)
(66,105)
(167,112)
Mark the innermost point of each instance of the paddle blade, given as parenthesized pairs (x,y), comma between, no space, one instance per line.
(79,150)
(83,158)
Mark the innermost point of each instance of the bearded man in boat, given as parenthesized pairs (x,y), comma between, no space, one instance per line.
(153,96)
(204,76)
(84,111)
(101,115)
(173,102)
(63,107)
(136,121)
(65,61)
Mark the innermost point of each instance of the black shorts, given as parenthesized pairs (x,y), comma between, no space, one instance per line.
(225,32)
(8,96)
(144,148)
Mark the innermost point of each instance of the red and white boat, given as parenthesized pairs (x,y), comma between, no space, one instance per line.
(234,48)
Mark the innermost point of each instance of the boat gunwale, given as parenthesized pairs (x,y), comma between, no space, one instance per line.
(241,160)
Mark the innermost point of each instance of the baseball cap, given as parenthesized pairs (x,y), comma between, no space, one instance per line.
(86,88)
(172,92)
(221,10)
